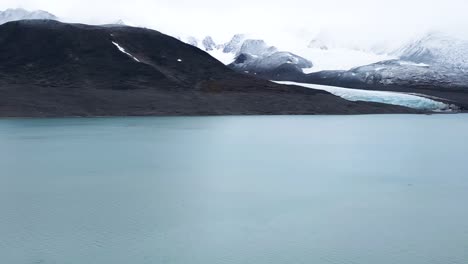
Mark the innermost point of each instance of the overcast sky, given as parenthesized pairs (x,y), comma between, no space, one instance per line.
(359,19)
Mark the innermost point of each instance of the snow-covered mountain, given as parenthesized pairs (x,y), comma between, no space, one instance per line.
(256,47)
(400,73)
(15,14)
(437,49)
(325,53)
(435,60)
(209,45)
(435,64)
(20,14)
(250,55)
(120,22)
(234,44)
(432,61)
(258,58)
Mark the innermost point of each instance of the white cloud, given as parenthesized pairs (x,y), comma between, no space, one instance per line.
(358,20)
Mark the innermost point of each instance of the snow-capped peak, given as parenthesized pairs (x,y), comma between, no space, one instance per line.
(256,47)
(208,43)
(120,22)
(191,41)
(436,48)
(20,14)
(234,44)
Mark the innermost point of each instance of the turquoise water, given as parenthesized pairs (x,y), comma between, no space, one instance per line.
(388,189)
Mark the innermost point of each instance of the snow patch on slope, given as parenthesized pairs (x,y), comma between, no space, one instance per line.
(125,52)
(414,64)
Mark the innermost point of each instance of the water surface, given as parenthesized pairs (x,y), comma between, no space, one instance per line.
(380,189)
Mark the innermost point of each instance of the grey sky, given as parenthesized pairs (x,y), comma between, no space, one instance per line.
(292,18)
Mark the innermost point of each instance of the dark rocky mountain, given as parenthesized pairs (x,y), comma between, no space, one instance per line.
(48,68)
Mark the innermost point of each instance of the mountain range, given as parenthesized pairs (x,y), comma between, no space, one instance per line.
(432,66)
(49,68)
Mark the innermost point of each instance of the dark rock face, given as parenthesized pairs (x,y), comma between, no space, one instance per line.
(48,68)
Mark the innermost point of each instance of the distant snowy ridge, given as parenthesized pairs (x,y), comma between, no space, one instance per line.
(15,14)
(435,60)
(321,54)
(436,48)
(20,14)
(250,55)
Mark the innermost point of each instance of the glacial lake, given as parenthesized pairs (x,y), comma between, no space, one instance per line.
(377,189)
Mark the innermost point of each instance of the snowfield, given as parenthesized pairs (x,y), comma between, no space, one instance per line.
(393,98)
(338,59)
(225,58)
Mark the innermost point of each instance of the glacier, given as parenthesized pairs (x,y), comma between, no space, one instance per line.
(393,98)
